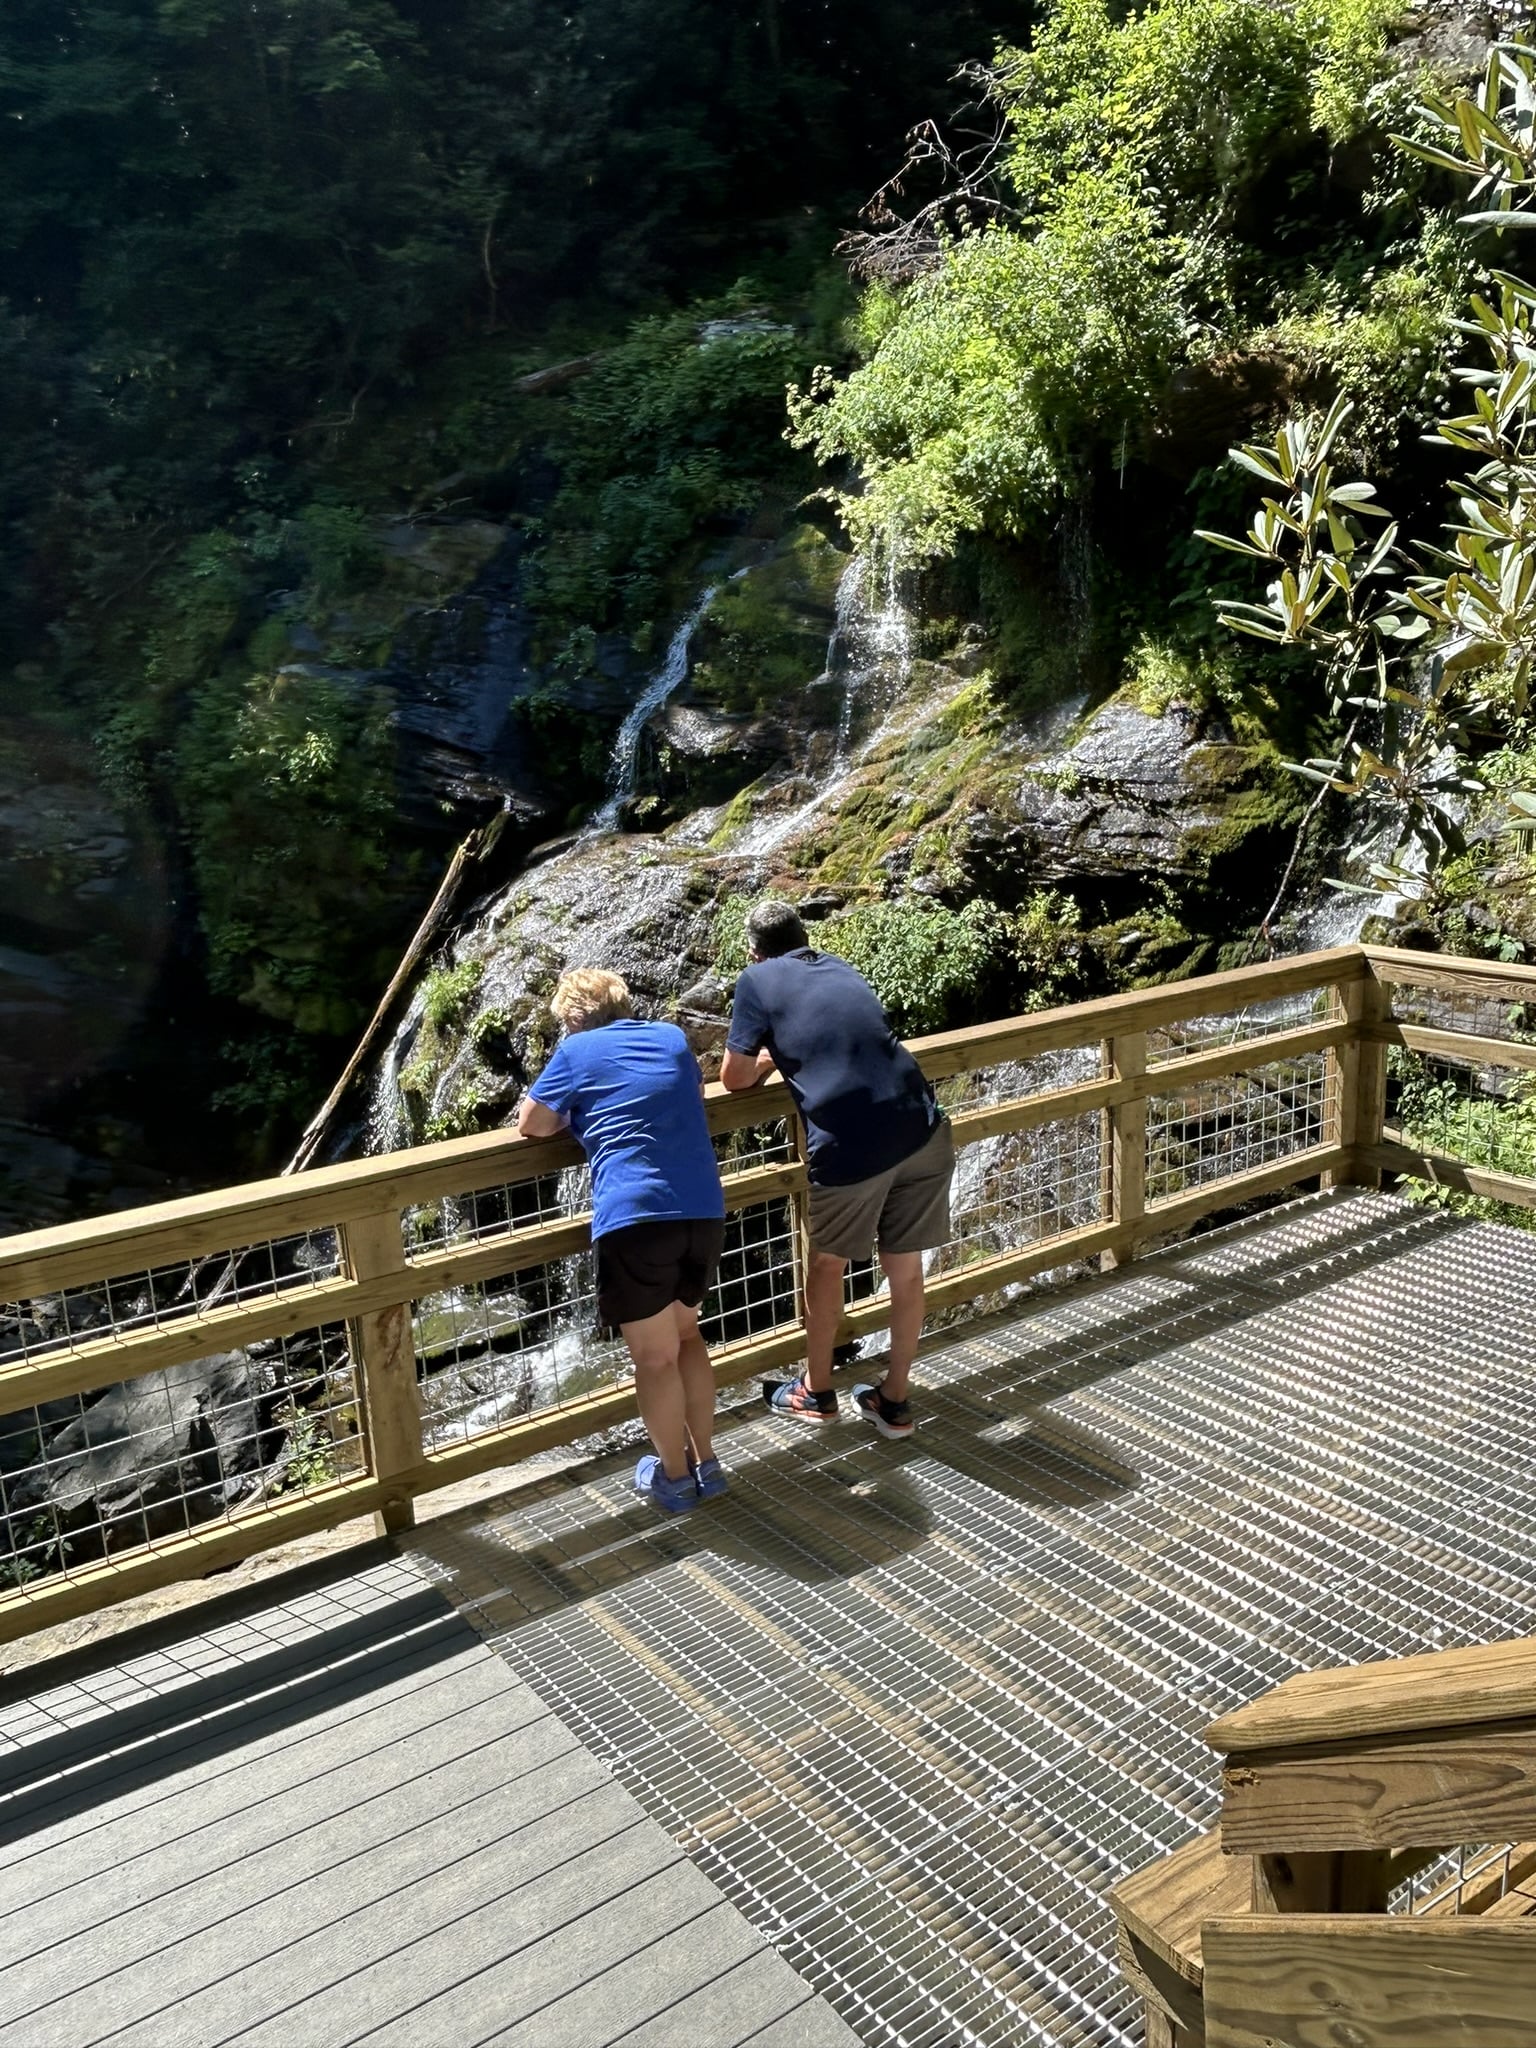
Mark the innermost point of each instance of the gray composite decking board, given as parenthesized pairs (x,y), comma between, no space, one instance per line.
(231,1683)
(203,1819)
(433,1876)
(636,1946)
(283,1861)
(237,1874)
(812,2025)
(95,1769)
(727,2012)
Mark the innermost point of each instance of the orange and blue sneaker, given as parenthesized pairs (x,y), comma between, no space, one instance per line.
(796,1401)
(891,1418)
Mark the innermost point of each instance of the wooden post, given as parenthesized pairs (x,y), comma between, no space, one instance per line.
(1126,1059)
(1357,1079)
(384,1350)
(1322,1882)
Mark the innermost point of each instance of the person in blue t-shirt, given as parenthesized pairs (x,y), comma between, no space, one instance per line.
(632,1093)
(880,1152)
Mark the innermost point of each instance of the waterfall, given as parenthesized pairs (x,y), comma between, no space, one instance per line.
(388,1130)
(669,677)
(868,642)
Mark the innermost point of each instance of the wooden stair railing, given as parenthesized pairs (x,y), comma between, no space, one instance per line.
(1272,1931)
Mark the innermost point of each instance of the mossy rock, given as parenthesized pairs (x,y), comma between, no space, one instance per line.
(764,639)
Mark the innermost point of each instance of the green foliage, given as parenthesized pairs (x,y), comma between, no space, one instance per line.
(1351,67)
(340,547)
(447,990)
(923,960)
(1382,338)
(38,1549)
(1047,940)
(730,934)
(1426,662)
(1445,1112)
(1190,100)
(1160,674)
(669,436)
(765,634)
(1147,152)
(311,1459)
(288,787)
(1009,363)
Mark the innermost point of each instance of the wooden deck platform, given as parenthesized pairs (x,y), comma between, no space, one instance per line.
(853,1754)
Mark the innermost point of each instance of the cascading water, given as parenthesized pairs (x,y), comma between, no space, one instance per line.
(670,677)
(868,644)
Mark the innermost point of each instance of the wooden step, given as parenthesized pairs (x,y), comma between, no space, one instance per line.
(1162,1909)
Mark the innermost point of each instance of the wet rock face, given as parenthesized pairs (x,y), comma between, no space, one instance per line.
(1124,798)
(146,1456)
(87,1475)
(892,777)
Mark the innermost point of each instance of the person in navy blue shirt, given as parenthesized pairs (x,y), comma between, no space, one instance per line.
(632,1094)
(880,1153)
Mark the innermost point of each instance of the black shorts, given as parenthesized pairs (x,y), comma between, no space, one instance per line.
(645,1267)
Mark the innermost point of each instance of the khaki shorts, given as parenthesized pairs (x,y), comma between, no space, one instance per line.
(907,1209)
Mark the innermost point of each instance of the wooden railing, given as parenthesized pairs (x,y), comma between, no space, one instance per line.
(398,1323)
(1343,1794)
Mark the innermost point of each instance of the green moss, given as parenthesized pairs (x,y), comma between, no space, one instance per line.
(765,635)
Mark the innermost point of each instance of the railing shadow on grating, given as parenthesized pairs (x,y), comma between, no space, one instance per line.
(186,1385)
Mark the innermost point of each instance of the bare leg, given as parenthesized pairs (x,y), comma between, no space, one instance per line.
(904,1277)
(698,1381)
(653,1345)
(823,1313)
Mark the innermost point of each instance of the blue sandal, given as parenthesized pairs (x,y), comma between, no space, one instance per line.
(672,1496)
(710,1480)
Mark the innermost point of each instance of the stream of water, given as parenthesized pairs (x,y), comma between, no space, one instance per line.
(669,677)
(870,648)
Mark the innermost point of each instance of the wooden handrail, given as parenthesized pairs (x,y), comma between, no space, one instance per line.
(1440,1689)
(381,1272)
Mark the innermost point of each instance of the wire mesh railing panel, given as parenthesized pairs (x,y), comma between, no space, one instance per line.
(765,1144)
(1239,1027)
(1216,1130)
(754,1290)
(485,1214)
(1465,1011)
(136,1304)
(491,1353)
(172,1452)
(1482,1115)
(1016,1080)
(1022,1189)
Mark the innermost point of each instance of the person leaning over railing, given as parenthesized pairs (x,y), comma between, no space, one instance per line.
(632,1093)
(880,1152)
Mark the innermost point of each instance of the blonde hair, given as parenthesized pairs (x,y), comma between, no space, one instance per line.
(589,996)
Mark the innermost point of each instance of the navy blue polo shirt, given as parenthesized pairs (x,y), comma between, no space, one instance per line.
(862,1096)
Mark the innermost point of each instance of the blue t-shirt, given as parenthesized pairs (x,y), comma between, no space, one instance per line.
(864,1100)
(631,1092)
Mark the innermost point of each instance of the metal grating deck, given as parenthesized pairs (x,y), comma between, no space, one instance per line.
(915,1708)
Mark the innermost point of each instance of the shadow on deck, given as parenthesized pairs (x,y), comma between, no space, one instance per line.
(860,1747)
